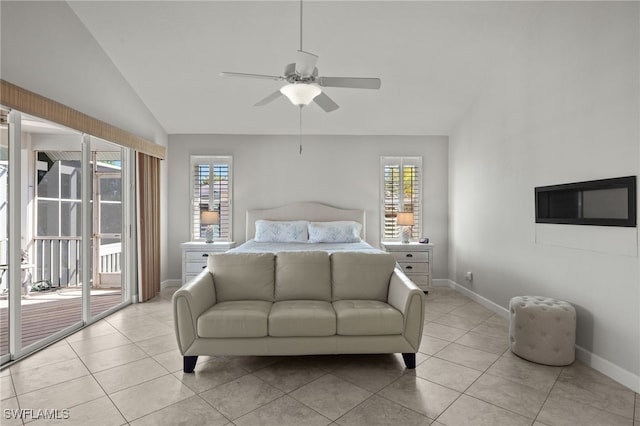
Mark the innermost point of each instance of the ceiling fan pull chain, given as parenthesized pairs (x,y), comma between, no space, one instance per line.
(300,133)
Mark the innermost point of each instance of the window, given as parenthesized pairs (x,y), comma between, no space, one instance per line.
(211,191)
(58,194)
(401,192)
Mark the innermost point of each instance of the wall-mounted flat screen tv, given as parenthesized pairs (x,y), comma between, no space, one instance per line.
(605,202)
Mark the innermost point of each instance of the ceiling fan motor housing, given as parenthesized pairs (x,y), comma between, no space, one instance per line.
(292,76)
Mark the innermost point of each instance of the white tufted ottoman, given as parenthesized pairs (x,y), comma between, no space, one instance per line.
(542,330)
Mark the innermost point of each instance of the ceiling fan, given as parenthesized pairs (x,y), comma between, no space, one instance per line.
(304,83)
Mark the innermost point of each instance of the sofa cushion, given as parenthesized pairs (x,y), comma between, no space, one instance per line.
(361,276)
(244,318)
(303,275)
(243,276)
(367,318)
(290,318)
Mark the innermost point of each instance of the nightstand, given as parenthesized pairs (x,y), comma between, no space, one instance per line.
(195,254)
(415,259)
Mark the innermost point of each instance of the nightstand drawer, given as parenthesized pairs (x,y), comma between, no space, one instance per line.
(195,255)
(414,267)
(421,280)
(195,267)
(417,256)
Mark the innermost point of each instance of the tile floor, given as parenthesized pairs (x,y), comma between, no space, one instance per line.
(126,370)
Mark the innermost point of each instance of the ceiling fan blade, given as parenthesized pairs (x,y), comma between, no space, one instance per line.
(349,82)
(245,75)
(305,63)
(272,97)
(325,102)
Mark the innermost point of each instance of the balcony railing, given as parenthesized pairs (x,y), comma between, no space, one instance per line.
(57,260)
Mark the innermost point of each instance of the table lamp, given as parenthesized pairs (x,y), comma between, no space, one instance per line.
(406,221)
(209,218)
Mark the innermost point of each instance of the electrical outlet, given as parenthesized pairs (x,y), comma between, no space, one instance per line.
(468,276)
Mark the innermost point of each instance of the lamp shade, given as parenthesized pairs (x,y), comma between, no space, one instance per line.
(405,219)
(301,94)
(209,218)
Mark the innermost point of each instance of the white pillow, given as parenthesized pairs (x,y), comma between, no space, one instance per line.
(281,232)
(345,231)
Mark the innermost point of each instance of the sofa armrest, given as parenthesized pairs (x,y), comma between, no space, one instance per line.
(407,297)
(189,302)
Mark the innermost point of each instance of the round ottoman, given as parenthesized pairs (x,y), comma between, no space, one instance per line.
(542,330)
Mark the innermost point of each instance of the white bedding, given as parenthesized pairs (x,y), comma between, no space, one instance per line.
(253,246)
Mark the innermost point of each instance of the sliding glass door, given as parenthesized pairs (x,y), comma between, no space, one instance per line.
(61,232)
(4,235)
(108,216)
(52,300)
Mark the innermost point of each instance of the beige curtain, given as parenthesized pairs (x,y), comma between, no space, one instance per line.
(148,203)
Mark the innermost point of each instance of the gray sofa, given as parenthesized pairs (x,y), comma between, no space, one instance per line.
(298,303)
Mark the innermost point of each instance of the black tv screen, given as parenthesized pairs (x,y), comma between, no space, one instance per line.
(605,202)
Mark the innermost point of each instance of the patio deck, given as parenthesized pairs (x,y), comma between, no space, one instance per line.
(46,313)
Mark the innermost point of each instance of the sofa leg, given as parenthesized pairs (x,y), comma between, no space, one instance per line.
(189,363)
(409,360)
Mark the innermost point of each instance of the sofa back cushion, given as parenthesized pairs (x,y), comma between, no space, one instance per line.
(361,276)
(243,276)
(303,276)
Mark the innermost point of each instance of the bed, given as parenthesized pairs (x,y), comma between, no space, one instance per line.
(305,226)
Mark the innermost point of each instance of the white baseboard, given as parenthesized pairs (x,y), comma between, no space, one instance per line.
(609,369)
(170,283)
(620,375)
(499,310)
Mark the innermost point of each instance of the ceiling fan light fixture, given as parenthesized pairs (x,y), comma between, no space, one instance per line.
(301,94)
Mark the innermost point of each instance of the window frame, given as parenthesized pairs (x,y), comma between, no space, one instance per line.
(193,217)
(59,199)
(402,162)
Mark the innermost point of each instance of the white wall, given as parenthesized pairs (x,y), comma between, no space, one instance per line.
(565,108)
(47,50)
(343,171)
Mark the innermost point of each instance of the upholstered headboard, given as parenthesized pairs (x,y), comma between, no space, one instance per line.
(311,211)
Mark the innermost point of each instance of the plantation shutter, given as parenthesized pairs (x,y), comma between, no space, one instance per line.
(211,190)
(401,192)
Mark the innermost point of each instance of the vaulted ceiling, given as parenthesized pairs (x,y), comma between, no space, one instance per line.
(434,59)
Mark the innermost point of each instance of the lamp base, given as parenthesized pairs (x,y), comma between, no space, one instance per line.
(209,234)
(406,234)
